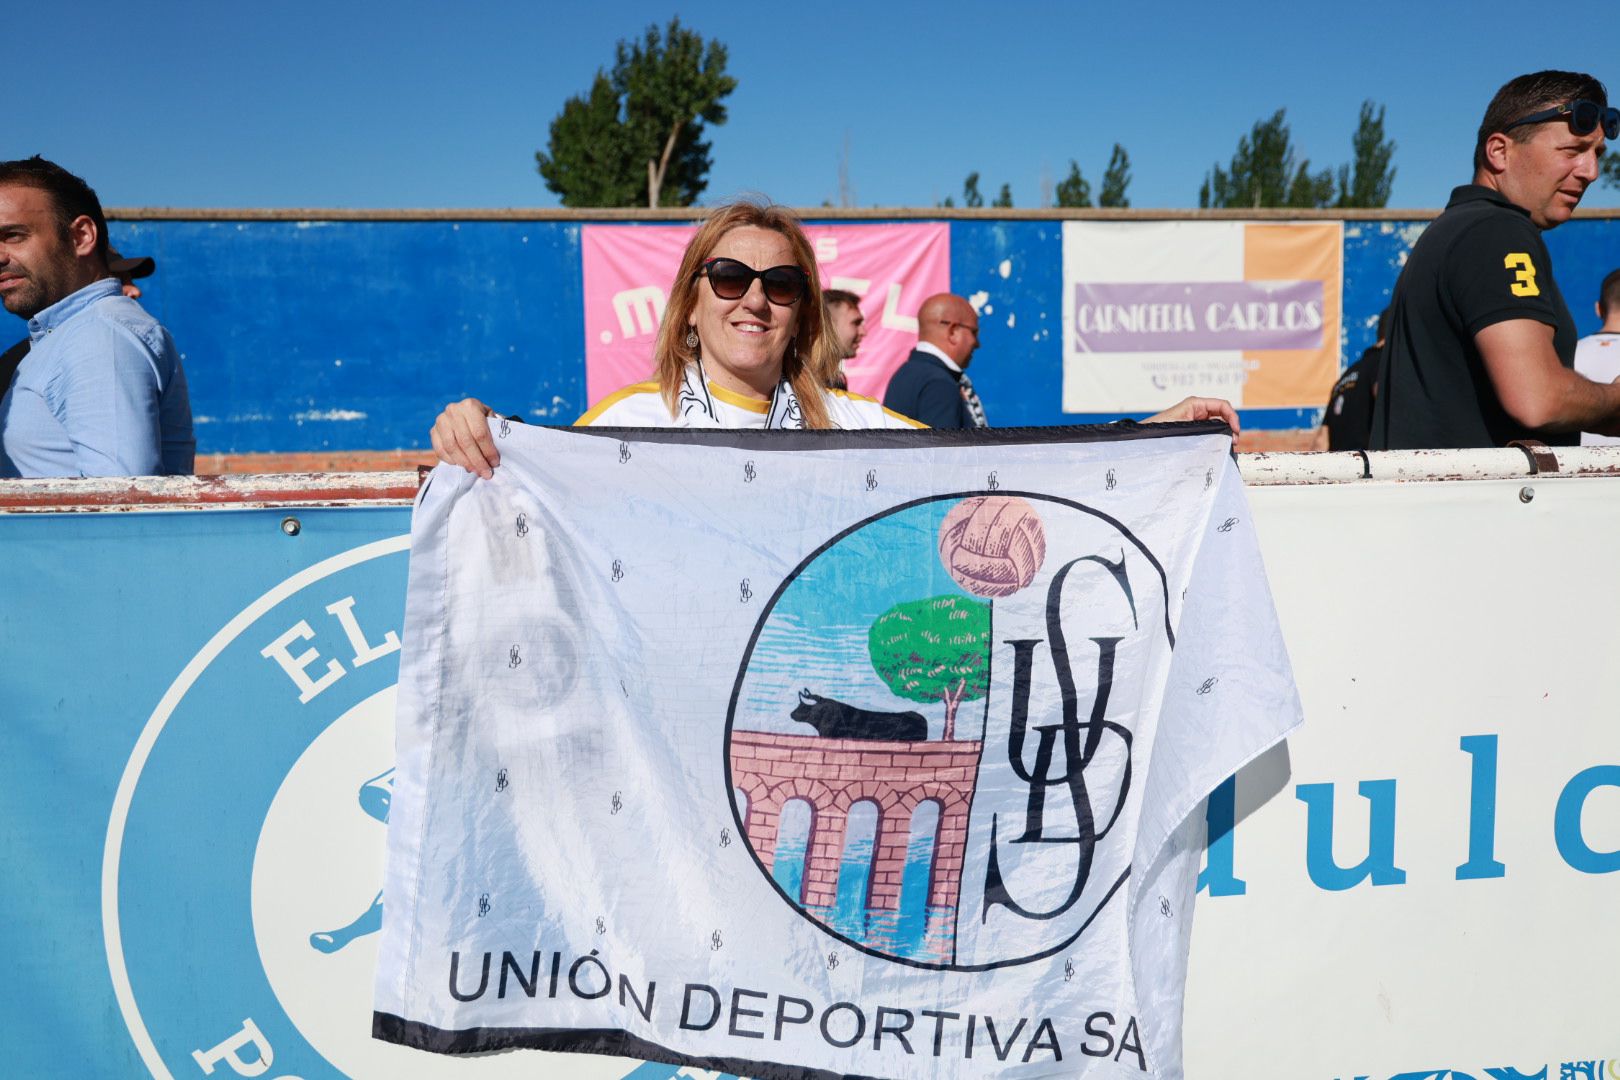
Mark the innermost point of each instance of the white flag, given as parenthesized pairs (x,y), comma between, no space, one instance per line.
(821,753)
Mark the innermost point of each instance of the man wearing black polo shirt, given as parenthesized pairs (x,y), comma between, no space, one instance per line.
(1481,345)
(1347,420)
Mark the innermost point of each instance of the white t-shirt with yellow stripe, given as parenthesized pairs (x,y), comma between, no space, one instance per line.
(641,405)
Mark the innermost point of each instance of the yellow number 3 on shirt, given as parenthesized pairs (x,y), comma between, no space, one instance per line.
(1524,277)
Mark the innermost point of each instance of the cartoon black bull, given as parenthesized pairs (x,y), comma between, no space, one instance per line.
(836,720)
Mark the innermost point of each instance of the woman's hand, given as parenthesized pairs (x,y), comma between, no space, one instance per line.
(1198,408)
(461,437)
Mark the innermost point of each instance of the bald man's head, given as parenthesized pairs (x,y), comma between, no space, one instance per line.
(949,323)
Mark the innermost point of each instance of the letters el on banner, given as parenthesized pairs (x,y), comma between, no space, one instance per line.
(628,269)
(808,754)
(1154,311)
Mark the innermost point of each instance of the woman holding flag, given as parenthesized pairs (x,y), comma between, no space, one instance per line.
(744,343)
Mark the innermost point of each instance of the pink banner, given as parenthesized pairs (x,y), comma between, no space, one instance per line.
(628,268)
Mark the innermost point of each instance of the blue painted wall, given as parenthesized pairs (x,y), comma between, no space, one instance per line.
(350,335)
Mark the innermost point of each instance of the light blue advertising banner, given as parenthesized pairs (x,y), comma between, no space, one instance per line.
(198,715)
(196,766)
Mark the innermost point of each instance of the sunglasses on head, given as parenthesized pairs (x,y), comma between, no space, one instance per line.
(1583,117)
(730,280)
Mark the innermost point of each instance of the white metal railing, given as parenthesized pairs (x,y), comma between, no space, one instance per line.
(398,487)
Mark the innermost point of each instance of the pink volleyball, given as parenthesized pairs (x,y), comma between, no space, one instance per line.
(992,544)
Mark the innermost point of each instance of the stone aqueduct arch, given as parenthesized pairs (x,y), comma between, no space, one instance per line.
(832,775)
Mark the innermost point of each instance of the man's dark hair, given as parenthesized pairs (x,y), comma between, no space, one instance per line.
(829,297)
(1530,94)
(70,196)
(1609,294)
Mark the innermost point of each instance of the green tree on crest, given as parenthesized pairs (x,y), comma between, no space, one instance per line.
(934,650)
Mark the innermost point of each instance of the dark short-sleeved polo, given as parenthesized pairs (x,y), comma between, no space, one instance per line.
(1482,262)
(1349,409)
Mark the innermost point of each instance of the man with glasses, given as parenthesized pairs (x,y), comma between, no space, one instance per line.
(1482,346)
(932,385)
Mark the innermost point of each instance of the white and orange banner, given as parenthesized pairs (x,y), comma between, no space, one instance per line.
(1155,311)
(628,270)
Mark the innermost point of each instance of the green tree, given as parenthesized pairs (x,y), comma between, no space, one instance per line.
(590,163)
(1263,173)
(1003,199)
(638,134)
(1611,169)
(1074,189)
(1368,182)
(1116,179)
(970,191)
(934,650)
(1310,190)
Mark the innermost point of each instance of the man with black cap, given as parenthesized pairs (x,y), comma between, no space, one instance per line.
(100,390)
(1481,345)
(127,270)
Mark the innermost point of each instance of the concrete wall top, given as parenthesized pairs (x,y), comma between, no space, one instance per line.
(820,213)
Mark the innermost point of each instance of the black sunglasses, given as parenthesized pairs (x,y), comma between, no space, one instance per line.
(1583,117)
(974,330)
(784,285)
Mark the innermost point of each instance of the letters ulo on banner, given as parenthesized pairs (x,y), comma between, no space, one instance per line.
(807,754)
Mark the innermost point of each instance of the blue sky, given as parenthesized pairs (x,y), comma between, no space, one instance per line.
(443,105)
(817,633)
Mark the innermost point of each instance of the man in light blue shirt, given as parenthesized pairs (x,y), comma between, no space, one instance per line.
(101,391)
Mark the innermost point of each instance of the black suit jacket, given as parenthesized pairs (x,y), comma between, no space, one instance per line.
(924,389)
(10,361)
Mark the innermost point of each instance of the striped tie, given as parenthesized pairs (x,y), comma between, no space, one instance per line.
(975,406)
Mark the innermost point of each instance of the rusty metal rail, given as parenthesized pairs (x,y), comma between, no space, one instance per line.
(398,487)
(125,493)
(1395,466)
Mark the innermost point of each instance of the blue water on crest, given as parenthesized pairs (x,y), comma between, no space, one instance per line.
(913,924)
(854,876)
(788,867)
(915,931)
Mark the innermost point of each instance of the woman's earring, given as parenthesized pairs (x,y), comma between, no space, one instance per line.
(691,338)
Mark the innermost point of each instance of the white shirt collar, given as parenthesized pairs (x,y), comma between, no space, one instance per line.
(934,350)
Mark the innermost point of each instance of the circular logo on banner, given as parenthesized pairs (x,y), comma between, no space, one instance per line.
(242,877)
(925,759)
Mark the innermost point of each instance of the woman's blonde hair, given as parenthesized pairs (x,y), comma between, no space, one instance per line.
(811,352)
